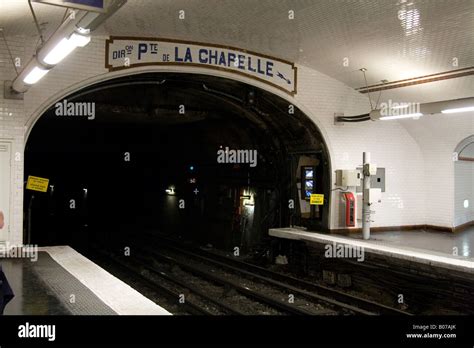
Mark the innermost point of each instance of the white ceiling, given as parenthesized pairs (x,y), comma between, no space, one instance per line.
(393,39)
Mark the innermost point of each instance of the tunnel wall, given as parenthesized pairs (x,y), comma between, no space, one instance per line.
(319,96)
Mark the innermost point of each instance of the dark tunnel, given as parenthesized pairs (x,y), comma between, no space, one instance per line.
(160,155)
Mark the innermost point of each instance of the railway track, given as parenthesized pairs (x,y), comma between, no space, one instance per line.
(276,300)
(199,301)
(138,274)
(344,301)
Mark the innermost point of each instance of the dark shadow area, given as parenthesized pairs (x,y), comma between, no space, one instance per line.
(149,162)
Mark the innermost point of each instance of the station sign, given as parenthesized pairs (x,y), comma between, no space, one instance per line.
(88,5)
(126,52)
(316,199)
(37,184)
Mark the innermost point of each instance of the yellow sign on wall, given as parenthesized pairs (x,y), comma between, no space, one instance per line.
(37,184)
(316,199)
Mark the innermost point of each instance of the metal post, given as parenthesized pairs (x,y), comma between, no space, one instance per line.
(29,218)
(365,198)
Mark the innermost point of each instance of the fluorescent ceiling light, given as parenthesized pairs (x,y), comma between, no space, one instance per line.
(65,47)
(59,52)
(416,114)
(456,110)
(35,75)
(79,40)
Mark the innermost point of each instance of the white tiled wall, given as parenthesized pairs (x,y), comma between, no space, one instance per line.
(12,116)
(407,156)
(464,186)
(464,190)
(438,136)
(390,145)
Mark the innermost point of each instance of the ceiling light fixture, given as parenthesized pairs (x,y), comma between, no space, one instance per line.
(59,52)
(80,40)
(35,75)
(65,47)
(395,117)
(73,32)
(456,110)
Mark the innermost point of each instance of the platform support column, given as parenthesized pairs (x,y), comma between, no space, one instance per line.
(365,198)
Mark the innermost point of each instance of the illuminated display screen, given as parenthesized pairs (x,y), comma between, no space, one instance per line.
(308,181)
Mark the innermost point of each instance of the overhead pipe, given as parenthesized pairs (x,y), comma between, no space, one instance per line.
(417,110)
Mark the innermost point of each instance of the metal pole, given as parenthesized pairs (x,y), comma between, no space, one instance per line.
(365,198)
(29,218)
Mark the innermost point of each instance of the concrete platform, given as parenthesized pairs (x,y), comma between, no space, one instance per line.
(430,240)
(63,282)
(389,247)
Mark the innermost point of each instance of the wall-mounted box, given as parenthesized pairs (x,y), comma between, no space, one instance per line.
(377,180)
(347,177)
(373,195)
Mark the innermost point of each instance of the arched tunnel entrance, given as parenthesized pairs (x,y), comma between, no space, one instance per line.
(201,158)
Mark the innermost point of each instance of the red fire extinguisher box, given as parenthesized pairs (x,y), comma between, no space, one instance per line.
(350,209)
